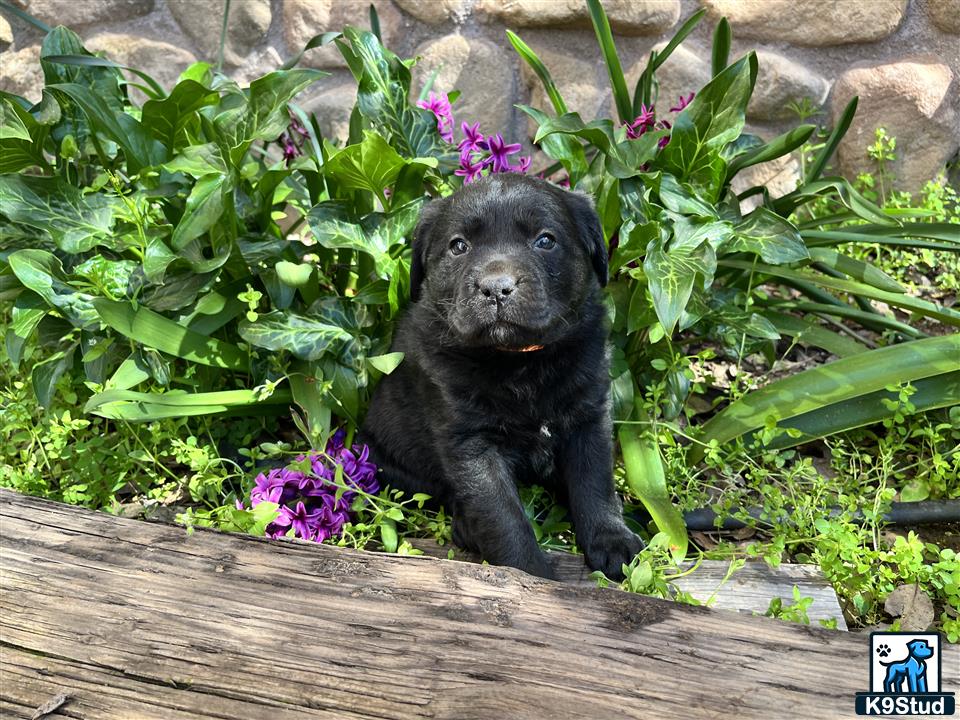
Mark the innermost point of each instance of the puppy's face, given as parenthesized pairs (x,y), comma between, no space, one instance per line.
(507,262)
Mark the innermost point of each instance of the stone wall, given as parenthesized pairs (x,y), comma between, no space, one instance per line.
(902,57)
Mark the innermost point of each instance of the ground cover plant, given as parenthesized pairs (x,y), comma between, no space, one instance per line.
(199,290)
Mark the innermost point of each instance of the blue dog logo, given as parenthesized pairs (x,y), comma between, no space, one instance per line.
(911,671)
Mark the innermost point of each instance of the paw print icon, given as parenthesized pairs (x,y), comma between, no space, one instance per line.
(883,650)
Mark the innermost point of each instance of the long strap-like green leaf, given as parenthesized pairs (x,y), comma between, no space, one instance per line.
(154,330)
(645,476)
(829,384)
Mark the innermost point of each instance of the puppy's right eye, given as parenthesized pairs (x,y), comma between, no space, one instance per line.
(458,246)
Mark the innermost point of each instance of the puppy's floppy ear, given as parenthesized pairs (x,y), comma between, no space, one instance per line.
(418,260)
(591,234)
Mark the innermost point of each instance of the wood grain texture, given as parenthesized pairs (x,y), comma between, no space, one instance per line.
(136,620)
(748,591)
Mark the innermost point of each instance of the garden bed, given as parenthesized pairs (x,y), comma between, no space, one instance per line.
(132,619)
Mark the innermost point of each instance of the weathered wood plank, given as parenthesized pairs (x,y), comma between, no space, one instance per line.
(749,591)
(136,620)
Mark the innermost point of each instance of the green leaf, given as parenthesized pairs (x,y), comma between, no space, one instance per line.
(302,336)
(530,57)
(601,26)
(383,96)
(714,118)
(260,113)
(720,55)
(770,236)
(598,133)
(11,124)
(167,118)
(566,150)
(308,393)
(836,382)
(931,393)
(844,192)
(808,333)
(907,302)
(128,375)
(388,535)
(141,150)
(647,480)
(198,161)
(671,275)
(857,269)
(46,373)
(75,222)
(143,407)
(92,61)
(386,363)
(829,147)
(778,147)
(681,199)
(332,230)
(295,275)
(155,331)
(204,207)
(42,273)
(113,276)
(370,165)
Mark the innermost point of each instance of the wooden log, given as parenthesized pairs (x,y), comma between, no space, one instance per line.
(137,620)
(749,591)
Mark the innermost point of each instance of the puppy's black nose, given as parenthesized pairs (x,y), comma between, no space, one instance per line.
(497,285)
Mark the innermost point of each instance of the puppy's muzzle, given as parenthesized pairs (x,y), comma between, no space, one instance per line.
(497,286)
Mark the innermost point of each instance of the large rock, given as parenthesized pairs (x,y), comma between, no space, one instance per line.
(810,22)
(779,177)
(302,19)
(627,17)
(435,12)
(332,106)
(576,79)
(21,73)
(781,81)
(6,34)
(945,14)
(479,70)
(202,21)
(683,72)
(162,61)
(910,99)
(77,13)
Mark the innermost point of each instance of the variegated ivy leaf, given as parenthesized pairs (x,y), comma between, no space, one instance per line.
(770,236)
(75,222)
(305,337)
(672,274)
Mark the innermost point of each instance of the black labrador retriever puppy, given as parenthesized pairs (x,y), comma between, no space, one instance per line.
(505,373)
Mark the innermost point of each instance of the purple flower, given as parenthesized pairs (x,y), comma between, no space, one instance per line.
(469,170)
(643,122)
(500,152)
(682,103)
(311,503)
(663,142)
(523,165)
(439,105)
(290,149)
(472,137)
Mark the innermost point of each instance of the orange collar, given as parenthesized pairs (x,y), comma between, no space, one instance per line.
(528,348)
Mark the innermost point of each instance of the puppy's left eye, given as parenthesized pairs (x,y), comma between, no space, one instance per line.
(545,241)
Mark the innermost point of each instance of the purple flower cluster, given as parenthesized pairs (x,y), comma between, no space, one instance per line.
(647,120)
(308,500)
(477,152)
(292,140)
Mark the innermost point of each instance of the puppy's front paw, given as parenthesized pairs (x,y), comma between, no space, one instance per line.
(610,549)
